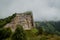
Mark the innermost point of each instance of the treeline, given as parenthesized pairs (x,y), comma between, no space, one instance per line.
(50,27)
(4,21)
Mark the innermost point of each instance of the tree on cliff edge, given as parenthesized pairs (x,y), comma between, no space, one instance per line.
(19,34)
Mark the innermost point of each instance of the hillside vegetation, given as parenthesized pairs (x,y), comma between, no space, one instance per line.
(4,21)
(42,31)
(49,27)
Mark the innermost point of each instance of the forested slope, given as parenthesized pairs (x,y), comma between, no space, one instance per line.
(6,20)
(49,27)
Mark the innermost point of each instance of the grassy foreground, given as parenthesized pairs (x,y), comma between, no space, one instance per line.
(34,36)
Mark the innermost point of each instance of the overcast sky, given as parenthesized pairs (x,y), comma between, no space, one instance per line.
(41,9)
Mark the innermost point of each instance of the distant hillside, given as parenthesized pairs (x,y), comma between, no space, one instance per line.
(50,27)
(4,21)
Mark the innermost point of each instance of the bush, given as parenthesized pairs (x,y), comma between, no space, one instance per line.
(5,33)
(40,31)
(34,31)
(19,34)
(43,38)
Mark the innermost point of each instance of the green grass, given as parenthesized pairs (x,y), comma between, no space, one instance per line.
(32,36)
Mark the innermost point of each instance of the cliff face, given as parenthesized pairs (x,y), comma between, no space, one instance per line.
(26,20)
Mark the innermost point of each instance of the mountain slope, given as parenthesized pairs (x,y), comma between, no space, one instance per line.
(4,21)
(49,27)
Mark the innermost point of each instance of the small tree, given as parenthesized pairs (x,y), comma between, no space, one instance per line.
(40,31)
(19,34)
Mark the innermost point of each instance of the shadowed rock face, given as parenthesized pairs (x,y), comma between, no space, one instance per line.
(24,19)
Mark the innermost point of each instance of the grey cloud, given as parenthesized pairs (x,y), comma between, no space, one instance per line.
(42,9)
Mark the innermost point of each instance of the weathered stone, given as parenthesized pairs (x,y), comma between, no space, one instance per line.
(26,20)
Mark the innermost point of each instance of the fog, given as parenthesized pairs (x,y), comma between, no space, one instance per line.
(43,10)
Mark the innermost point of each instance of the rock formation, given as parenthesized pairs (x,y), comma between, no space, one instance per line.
(23,19)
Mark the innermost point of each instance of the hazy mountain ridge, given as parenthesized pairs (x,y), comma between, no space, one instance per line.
(50,26)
